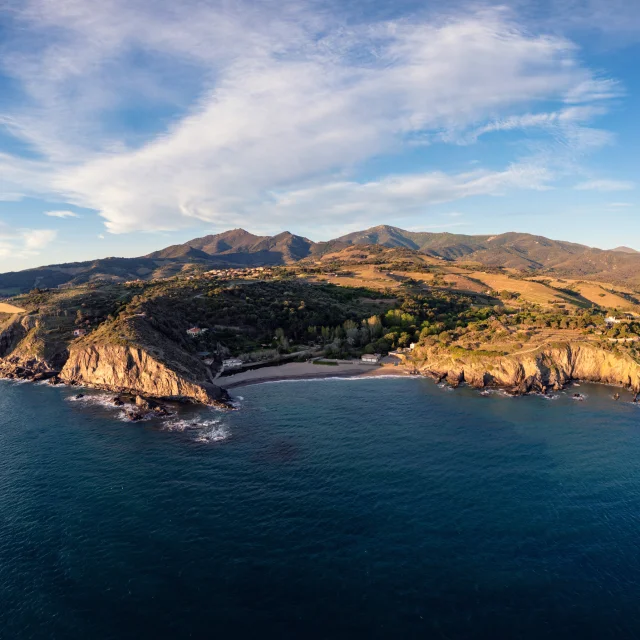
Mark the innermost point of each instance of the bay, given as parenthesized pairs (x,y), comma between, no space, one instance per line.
(321,509)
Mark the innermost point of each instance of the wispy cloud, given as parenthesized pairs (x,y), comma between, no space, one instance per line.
(385,199)
(61,214)
(19,243)
(271,109)
(605,185)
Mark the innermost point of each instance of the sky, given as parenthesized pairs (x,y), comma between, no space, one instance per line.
(130,125)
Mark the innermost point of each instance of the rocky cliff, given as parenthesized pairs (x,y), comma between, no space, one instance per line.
(545,369)
(132,369)
(30,349)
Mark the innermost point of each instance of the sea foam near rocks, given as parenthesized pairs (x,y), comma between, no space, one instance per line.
(203,430)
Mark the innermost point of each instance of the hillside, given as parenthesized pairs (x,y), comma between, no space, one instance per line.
(516,250)
(242,248)
(168,338)
(238,248)
(134,338)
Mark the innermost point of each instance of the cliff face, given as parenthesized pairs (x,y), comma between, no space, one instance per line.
(132,369)
(27,351)
(542,370)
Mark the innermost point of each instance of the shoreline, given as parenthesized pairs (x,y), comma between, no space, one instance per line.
(308,371)
(300,371)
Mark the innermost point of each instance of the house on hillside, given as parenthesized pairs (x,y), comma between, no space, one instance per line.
(195,332)
(611,320)
(371,358)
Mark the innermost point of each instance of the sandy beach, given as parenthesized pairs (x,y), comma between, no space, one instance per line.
(308,370)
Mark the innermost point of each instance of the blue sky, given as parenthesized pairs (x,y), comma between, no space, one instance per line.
(128,125)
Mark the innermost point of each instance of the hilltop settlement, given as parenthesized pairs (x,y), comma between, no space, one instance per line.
(178,327)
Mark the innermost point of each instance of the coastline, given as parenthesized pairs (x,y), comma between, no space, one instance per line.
(309,371)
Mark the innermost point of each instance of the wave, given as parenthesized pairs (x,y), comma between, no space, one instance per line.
(95,399)
(203,430)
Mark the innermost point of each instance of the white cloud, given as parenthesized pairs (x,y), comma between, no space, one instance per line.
(618,205)
(61,214)
(289,102)
(36,239)
(605,185)
(20,243)
(408,194)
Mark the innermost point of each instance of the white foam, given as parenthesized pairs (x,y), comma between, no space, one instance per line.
(214,433)
(206,431)
(15,380)
(97,399)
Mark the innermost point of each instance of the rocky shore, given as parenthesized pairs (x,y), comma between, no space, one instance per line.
(547,369)
(128,372)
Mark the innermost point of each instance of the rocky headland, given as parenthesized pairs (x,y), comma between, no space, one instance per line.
(31,350)
(548,368)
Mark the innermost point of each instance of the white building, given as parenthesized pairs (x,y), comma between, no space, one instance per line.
(371,358)
(611,320)
(232,363)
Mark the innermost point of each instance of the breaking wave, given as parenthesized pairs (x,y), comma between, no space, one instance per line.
(202,430)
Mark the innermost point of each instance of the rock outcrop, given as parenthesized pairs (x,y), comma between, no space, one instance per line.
(27,352)
(542,370)
(134,370)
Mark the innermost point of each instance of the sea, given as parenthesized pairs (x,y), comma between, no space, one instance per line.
(336,508)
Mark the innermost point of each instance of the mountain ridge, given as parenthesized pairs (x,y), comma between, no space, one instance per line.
(240,248)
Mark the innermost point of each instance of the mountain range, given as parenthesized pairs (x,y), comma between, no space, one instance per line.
(239,248)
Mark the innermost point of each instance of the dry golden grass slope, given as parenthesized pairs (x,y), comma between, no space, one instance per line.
(10,308)
(534,292)
(599,294)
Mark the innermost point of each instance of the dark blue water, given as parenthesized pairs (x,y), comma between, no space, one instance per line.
(326,509)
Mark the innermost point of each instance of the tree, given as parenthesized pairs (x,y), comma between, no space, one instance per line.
(404,339)
(375,327)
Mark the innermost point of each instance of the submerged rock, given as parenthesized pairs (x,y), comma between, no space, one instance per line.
(135,415)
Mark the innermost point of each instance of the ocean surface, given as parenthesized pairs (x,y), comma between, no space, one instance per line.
(367,508)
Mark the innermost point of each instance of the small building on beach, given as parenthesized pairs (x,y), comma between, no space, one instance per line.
(232,363)
(371,358)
